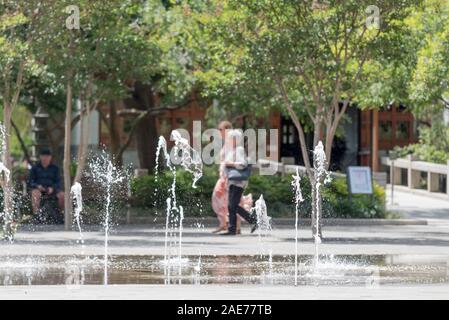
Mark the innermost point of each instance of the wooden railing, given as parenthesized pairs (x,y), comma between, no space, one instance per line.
(414,169)
(289,169)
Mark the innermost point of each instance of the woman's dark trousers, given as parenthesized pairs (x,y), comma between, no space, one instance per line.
(235,194)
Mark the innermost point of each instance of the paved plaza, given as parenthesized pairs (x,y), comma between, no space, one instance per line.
(149,240)
(424,231)
(224,292)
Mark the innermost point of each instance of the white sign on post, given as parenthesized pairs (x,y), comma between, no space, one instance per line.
(359,180)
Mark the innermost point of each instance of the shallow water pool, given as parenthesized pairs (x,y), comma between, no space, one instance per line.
(351,270)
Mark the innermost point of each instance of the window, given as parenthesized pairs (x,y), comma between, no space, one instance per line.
(284,134)
(164,126)
(386,108)
(401,108)
(288,134)
(182,122)
(127,125)
(402,130)
(385,130)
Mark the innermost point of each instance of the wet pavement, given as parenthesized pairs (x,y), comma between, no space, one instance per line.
(408,261)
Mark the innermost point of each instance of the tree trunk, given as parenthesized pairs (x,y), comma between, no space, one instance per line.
(146,132)
(26,155)
(316,195)
(8,211)
(316,201)
(9,103)
(67,158)
(147,142)
(314,212)
(86,108)
(114,133)
(316,209)
(305,154)
(316,132)
(84,141)
(81,145)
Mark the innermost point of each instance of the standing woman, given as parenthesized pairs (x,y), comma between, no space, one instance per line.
(238,170)
(220,193)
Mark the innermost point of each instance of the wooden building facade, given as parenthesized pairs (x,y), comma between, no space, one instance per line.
(368,134)
(383,129)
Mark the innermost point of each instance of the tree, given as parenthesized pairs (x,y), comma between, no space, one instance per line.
(429,88)
(317,57)
(60,51)
(90,61)
(118,53)
(170,80)
(17,27)
(166,81)
(120,50)
(433,145)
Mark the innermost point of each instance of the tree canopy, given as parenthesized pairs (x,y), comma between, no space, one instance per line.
(429,88)
(312,59)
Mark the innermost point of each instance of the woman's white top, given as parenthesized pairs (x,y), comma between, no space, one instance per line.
(237,156)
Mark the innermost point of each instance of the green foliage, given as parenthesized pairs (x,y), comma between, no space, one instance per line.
(429,88)
(22,118)
(149,193)
(278,194)
(118,43)
(15,35)
(433,145)
(106,48)
(264,39)
(276,190)
(337,203)
(73,167)
(309,59)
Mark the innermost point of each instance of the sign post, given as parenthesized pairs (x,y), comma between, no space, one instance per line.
(393,157)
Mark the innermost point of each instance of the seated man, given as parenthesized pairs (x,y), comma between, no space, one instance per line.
(44,178)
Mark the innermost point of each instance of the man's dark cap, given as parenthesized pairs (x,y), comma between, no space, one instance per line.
(45,152)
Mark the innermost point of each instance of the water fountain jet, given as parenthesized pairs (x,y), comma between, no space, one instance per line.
(298,199)
(189,159)
(321,177)
(75,191)
(108,176)
(5,174)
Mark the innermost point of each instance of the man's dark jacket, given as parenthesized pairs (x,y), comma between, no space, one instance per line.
(46,177)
